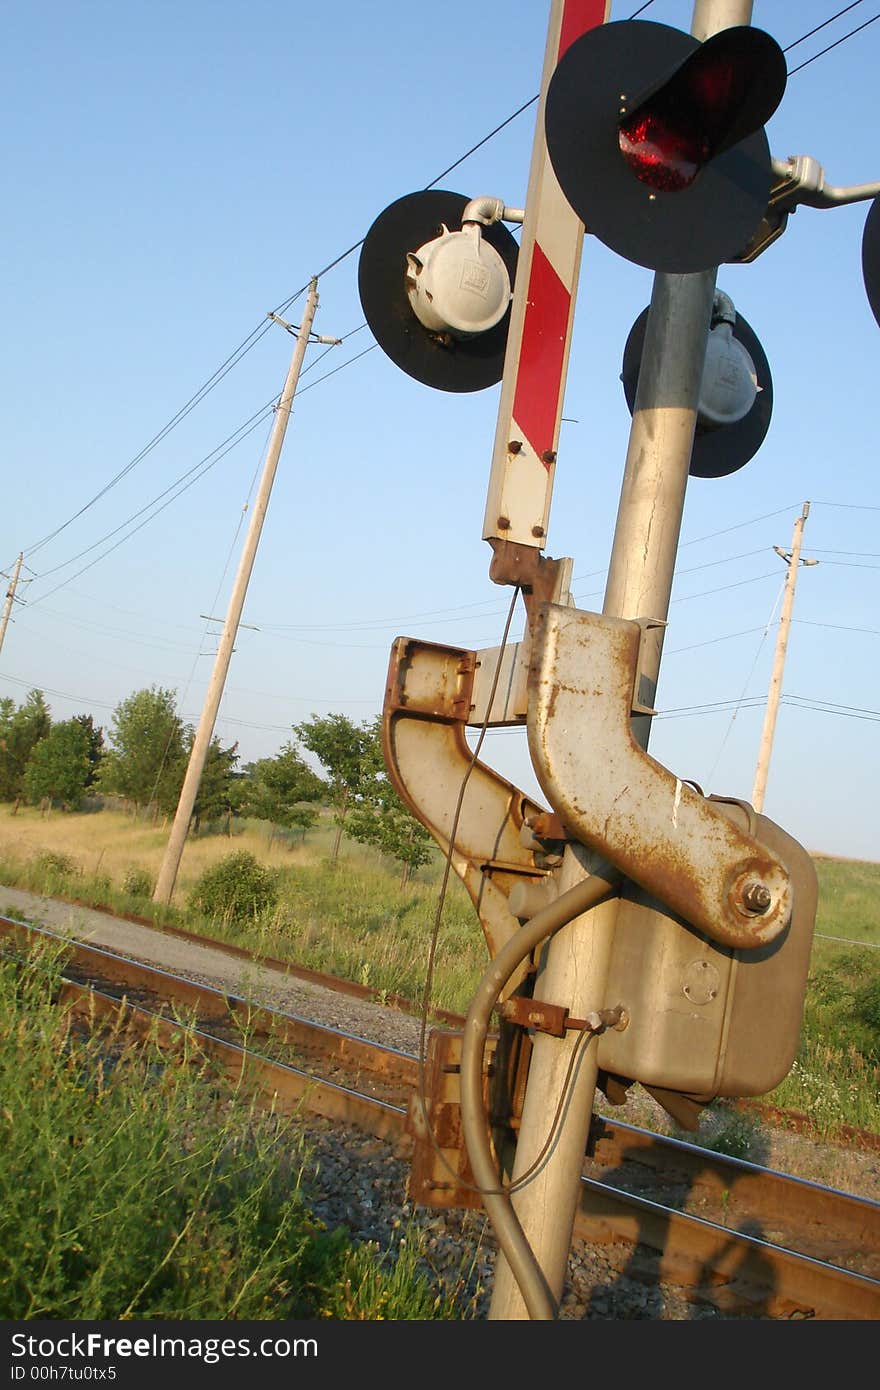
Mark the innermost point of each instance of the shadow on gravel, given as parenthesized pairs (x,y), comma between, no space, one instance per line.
(669,1274)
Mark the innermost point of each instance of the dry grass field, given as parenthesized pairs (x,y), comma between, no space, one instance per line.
(111,843)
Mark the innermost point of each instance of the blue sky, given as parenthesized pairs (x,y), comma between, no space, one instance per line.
(175,171)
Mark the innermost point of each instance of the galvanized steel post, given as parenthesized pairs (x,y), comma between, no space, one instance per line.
(639,585)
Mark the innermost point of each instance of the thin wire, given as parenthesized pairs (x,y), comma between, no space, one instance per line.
(838,627)
(225,367)
(746,682)
(254,420)
(447,867)
(823,25)
(710,536)
(848,941)
(837,42)
(848,506)
(147,519)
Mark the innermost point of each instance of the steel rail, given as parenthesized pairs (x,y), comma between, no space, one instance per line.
(735,1270)
(790,1119)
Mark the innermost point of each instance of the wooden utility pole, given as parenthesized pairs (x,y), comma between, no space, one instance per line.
(179,830)
(793,560)
(10,599)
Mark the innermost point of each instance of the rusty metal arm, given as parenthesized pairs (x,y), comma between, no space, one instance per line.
(612,796)
(429,700)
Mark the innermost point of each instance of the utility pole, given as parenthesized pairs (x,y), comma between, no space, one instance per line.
(179,830)
(794,561)
(639,586)
(10,599)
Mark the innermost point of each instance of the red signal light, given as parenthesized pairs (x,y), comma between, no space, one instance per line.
(664,156)
(723,92)
(657,140)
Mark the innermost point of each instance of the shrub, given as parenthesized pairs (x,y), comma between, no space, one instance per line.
(138,883)
(237,888)
(51,870)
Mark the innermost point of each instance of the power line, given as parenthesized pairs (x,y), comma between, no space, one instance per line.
(146,520)
(840,627)
(836,44)
(263,327)
(823,25)
(225,367)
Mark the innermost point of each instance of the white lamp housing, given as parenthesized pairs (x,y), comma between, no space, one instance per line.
(730,382)
(458,283)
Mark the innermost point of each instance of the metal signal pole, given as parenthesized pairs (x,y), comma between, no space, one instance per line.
(10,599)
(179,830)
(639,586)
(793,560)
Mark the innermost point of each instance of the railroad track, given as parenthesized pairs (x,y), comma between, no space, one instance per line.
(742,1237)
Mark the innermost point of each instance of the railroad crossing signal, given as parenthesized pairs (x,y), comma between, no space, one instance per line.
(686,954)
(657,140)
(736,396)
(436,291)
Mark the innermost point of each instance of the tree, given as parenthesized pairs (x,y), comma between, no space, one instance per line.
(341,748)
(147,758)
(96,746)
(58,768)
(379,817)
(20,731)
(214,797)
(279,789)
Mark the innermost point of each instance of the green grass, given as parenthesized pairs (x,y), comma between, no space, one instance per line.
(353,920)
(357,924)
(835,1079)
(134,1184)
(849,899)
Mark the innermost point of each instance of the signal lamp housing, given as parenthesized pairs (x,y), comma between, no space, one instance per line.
(657,140)
(438,300)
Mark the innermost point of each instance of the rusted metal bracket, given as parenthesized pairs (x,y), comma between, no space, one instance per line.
(440,1173)
(616,799)
(556,1020)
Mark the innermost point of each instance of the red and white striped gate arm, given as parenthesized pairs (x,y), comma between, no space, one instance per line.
(532,387)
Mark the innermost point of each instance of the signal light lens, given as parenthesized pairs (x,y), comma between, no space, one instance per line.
(723,92)
(662,155)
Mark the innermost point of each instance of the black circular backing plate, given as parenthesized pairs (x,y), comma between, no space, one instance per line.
(465,365)
(702,226)
(871,258)
(720,449)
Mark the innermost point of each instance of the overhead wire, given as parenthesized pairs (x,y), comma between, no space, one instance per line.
(258,332)
(263,327)
(824,25)
(225,367)
(748,678)
(180,490)
(836,44)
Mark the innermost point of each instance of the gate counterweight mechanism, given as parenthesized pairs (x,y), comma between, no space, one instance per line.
(638,930)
